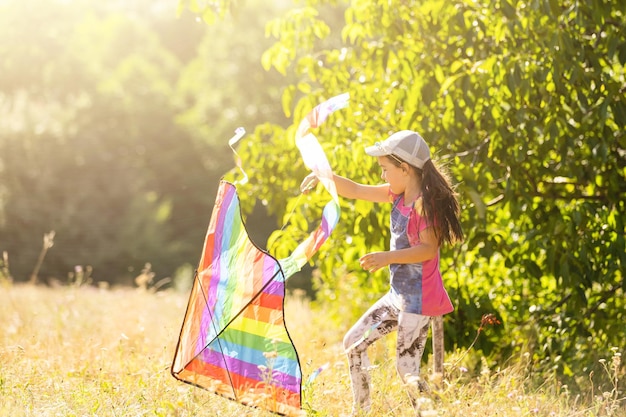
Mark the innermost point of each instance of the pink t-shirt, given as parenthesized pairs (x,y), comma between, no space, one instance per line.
(419,287)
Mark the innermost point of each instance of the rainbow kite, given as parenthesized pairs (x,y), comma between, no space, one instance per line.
(233,340)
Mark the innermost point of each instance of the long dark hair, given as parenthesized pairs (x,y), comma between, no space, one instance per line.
(440,206)
(439,203)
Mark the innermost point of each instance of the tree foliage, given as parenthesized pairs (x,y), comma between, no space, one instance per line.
(115,120)
(524,102)
(89,148)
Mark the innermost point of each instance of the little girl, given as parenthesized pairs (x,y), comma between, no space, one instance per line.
(424,215)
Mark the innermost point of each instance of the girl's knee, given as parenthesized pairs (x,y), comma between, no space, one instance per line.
(348,342)
(354,345)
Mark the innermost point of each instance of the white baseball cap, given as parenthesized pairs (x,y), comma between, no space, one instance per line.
(406,145)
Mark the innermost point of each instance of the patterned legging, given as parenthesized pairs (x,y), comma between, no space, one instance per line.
(382,318)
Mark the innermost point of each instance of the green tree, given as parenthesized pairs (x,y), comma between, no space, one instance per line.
(225,86)
(524,102)
(116,117)
(89,146)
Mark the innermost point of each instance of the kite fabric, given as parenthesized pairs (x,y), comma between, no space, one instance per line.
(233,340)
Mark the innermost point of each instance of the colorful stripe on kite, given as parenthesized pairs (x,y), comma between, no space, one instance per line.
(234,341)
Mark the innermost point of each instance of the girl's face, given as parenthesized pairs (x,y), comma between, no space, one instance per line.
(394,175)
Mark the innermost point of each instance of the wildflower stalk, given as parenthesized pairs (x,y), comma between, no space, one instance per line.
(488,319)
(5,274)
(269,381)
(48,242)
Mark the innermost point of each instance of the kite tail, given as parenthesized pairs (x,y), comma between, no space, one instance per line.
(239,132)
(315,159)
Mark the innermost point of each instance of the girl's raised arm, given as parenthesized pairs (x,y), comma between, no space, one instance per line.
(350,189)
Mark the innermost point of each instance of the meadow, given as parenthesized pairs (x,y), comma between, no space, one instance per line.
(84,351)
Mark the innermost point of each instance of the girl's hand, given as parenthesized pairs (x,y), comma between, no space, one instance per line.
(308,183)
(372,262)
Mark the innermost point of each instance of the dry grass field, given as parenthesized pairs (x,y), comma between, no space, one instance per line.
(82,351)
